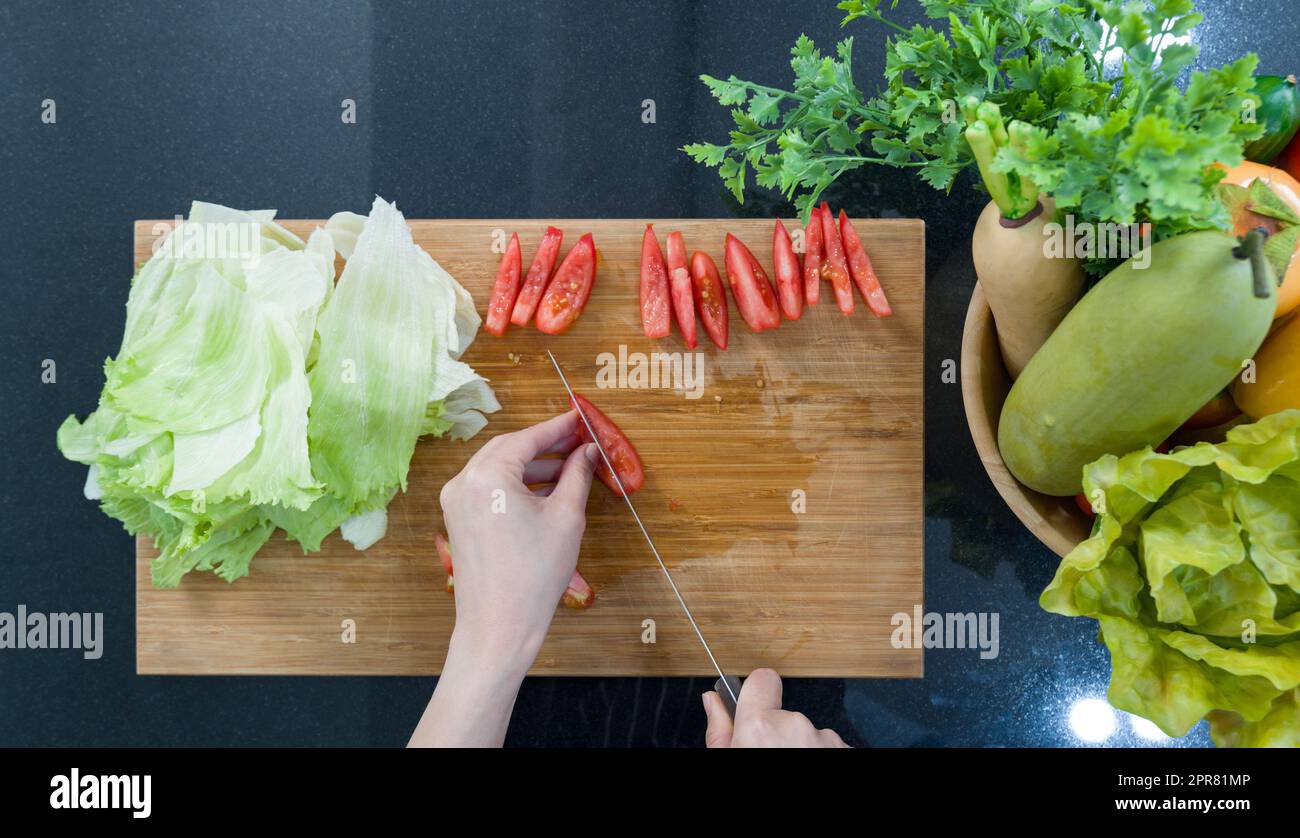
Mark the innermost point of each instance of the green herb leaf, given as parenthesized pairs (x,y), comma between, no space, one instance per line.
(706,153)
(1122,145)
(733,91)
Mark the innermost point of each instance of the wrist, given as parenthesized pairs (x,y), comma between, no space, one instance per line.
(475,695)
(486,652)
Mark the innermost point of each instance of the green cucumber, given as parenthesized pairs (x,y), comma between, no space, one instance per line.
(1279,110)
(1139,354)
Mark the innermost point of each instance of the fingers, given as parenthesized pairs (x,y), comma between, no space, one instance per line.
(575,478)
(522,447)
(543,471)
(564,446)
(761,721)
(761,691)
(718,733)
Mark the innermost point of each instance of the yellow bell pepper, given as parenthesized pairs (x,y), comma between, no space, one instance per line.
(1277,373)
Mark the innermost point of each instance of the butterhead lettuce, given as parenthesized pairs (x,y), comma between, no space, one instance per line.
(251,392)
(1193,574)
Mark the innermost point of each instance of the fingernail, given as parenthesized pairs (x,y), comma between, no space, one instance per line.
(708,705)
(592,453)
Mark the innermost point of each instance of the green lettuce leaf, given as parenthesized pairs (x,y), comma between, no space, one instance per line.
(369,390)
(1280,728)
(1153,678)
(201,368)
(1271,512)
(1191,572)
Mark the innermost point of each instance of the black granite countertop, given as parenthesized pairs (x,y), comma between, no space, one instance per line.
(465,109)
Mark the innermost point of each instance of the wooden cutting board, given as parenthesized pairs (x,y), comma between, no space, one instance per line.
(787,499)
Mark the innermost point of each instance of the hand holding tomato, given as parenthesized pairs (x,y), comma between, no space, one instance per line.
(516,548)
(516,520)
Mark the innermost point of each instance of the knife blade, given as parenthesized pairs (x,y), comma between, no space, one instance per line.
(731,684)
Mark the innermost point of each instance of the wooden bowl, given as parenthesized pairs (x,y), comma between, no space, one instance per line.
(1057,522)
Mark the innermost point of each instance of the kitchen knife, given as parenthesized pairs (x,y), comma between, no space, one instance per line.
(728,687)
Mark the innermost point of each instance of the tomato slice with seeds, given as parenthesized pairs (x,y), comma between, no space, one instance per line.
(834,266)
(504,290)
(570,288)
(654,287)
(750,287)
(579,593)
(812,257)
(789,279)
(539,274)
(710,299)
(679,281)
(622,454)
(863,273)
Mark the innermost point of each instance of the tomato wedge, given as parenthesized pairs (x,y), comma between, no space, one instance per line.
(710,299)
(617,446)
(539,274)
(654,287)
(750,287)
(834,267)
(863,274)
(570,288)
(444,554)
(679,282)
(578,593)
(789,281)
(504,290)
(812,257)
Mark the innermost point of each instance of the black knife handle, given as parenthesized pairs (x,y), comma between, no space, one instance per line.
(721,689)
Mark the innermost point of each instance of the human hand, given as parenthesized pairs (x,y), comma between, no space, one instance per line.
(515,547)
(760,722)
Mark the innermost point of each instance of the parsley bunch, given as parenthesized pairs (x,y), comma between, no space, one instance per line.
(1089,87)
(1147,153)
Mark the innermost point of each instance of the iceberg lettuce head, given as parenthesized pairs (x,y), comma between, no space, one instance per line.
(252,392)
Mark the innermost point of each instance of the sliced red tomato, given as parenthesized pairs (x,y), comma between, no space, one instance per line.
(1085,505)
(834,266)
(444,553)
(679,283)
(504,290)
(710,299)
(539,274)
(812,257)
(789,281)
(750,287)
(579,593)
(617,446)
(570,288)
(860,266)
(654,287)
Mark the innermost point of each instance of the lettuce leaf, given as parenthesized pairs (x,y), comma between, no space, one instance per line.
(1193,574)
(1280,727)
(374,396)
(1152,677)
(370,385)
(251,393)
